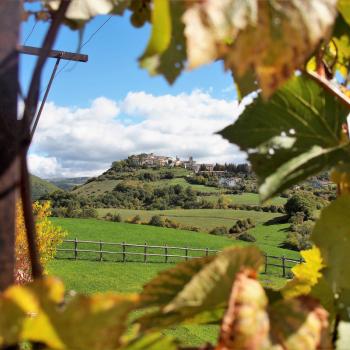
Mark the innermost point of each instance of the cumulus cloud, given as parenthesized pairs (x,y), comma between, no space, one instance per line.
(72,141)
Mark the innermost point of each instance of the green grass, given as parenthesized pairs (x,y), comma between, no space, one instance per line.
(96,187)
(88,276)
(247,198)
(205,219)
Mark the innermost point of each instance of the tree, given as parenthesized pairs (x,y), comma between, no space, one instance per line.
(300,203)
(49,237)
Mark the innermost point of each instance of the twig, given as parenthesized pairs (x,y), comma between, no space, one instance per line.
(327,85)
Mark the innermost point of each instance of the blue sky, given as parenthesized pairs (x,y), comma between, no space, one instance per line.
(124,93)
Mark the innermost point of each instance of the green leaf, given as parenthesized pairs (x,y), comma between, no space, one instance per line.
(172,60)
(297,133)
(152,341)
(160,36)
(344,9)
(332,236)
(194,288)
(272,38)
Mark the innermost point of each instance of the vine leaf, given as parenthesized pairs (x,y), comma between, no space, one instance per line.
(344,9)
(160,36)
(293,324)
(271,37)
(297,133)
(81,11)
(343,340)
(17,302)
(196,289)
(82,322)
(172,61)
(332,236)
(306,274)
(246,322)
(299,323)
(151,341)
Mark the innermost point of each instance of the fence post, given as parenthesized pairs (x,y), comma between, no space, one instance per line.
(283,266)
(206,251)
(186,253)
(265,270)
(145,253)
(101,257)
(75,248)
(124,255)
(166,253)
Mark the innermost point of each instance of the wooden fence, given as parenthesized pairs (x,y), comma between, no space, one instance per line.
(128,252)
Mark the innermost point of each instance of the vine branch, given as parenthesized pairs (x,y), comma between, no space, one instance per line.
(330,87)
(31,103)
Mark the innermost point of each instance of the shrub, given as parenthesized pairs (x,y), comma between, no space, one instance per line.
(117,218)
(247,237)
(297,218)
(113,217)
(301,202)
(171,224)
(49,237)
(89,213)
(296,241)
(156,220)
(136,219)
(219,231)
(242,226)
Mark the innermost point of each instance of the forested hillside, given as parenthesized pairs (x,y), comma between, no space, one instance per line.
(41,187)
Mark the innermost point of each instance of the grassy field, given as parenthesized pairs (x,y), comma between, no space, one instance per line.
(205,219)
(247,198)
(268,237)
(89,276)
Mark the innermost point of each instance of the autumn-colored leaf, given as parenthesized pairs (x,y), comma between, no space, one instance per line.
(196,290)
(306,274)
(271,37)
(246,324)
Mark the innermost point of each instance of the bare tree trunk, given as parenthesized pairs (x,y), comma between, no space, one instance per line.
(9,140)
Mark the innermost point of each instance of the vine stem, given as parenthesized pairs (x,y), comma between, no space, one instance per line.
(31,103)
(327,85)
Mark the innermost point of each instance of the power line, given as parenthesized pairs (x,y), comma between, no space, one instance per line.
(30,33)
(82,45)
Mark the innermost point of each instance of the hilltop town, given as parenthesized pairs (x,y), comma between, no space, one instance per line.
(153,160)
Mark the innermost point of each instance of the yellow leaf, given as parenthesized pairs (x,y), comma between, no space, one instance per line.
(161,32)
(306,274)
(37,312)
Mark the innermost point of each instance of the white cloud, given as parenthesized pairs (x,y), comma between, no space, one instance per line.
(84,141)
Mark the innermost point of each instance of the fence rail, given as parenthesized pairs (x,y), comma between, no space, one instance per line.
(129,252)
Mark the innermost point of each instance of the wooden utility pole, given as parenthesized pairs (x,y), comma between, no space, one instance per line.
(9,138)
(15,135)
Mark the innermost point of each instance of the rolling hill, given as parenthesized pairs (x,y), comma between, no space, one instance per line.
(68,183)
(41,187)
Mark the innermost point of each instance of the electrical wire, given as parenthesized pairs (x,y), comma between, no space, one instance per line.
(63,69)
(30,33)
